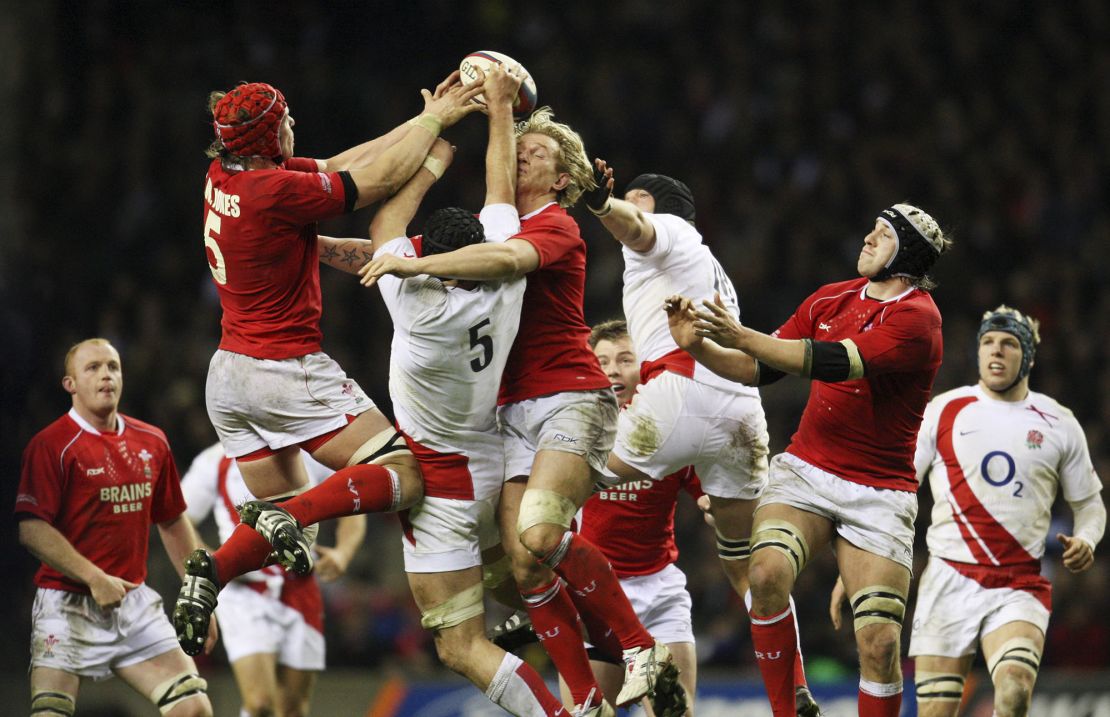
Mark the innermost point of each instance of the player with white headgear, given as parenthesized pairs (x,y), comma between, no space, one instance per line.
(871,347)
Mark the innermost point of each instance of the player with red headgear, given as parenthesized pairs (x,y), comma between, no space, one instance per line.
(271,390)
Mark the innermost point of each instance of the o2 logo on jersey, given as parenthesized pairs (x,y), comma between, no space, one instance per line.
(998,468)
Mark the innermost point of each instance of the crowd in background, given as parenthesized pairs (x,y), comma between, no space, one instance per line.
(794,123)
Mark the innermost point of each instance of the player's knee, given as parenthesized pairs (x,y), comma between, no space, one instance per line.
(770,582)
(780,538)
(1012,693)
(878,648)
(542,541)
(184,695)
(938,694)
(52,703)
(543,519)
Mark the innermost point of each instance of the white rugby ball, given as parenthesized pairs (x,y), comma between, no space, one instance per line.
(525,100)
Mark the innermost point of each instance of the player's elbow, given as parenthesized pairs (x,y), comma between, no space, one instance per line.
(507,263)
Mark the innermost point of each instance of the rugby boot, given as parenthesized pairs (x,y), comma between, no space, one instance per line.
(804,703)
(650,671)
(196,601)
(514,633)
(291,548)
(589,709)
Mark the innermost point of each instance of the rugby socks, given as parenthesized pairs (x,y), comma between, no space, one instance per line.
(362,488)
(776,650)
(877,699)
(601,635)
(557,626)
(243,551)
(799,664)
(519,690)
(596,588)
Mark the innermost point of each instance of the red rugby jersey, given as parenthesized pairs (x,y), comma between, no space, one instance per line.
(633,524)
(551,353)
(101,491)
(260,237)
(865,430)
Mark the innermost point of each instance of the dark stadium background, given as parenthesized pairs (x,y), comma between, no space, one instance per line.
(792,122)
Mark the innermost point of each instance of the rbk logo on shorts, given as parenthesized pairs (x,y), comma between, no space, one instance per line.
(565,438)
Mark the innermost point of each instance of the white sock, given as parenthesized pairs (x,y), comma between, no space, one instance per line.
(510,692)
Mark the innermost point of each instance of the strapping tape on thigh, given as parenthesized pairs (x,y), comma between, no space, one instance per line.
(938,687)
(1019,652)
(784,537)
(183,686)
(387,443)
(732,548)
(876,604)
(50,703)
(458,609)
(544,506)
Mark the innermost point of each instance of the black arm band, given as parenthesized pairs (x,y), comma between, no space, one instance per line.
(350,191)
(766,374)
(830,362)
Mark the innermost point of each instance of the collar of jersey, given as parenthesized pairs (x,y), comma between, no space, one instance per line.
(85,425)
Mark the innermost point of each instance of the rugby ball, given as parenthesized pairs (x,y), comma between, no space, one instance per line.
(483,59)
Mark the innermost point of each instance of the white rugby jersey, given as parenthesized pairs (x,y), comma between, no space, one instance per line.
(994,468)
(450,346)
(213,484)
(678,263)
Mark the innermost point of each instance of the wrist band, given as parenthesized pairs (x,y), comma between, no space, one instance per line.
(430,123)
(604,211)
(435,165)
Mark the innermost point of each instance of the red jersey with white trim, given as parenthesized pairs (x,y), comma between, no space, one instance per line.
(994,468)
(551,353)
(633,523)
(260,237)
(865,430)
(101,491)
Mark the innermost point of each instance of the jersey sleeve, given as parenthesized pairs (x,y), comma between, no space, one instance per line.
(1078,479)
(667,233)
(41,483)
(300,197)
(902,342)
(553,236)
(499,221)
(926,451)
(200,485)
(167,502)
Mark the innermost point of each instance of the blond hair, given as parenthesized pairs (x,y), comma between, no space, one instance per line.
(572,157)
(611,330)
(73,351)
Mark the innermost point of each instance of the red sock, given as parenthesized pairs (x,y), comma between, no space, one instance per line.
(886,704)
(799,671)
(596,587)
(363,488)
(776,647)
(601,635)
(243,551)
(557,625)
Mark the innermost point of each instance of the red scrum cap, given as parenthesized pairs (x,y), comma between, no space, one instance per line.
(247,120)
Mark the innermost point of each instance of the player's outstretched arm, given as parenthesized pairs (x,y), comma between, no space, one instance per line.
(51,547)
(624,220)
(347,255)
(501,87)
(478,262)
(726,363)
(392,219)
(793,356)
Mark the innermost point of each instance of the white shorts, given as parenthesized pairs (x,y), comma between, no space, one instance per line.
(578,422)
(71,633)
(877,520)
(444,534)
(258,403)
(662,603)
(674,421)
(252,622)
(953,612)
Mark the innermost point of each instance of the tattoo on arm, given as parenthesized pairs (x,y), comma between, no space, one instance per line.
(330,252)
(366,256)
(350,256)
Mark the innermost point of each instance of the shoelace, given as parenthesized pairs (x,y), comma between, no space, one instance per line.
(583,709)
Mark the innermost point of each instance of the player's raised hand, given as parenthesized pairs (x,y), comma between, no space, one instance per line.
(108,590)
(332,563)
(1078,555)
(716,323)
(452,99)
(836,600)
(378,267)
(680,320)
(597,199)
(501,84)
(706,508)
